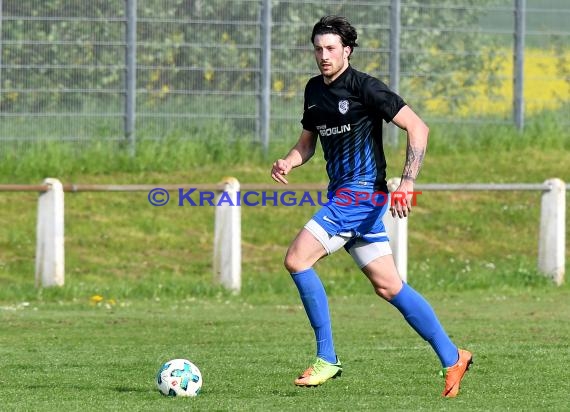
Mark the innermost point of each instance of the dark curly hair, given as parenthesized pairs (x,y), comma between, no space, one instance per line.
(336,25)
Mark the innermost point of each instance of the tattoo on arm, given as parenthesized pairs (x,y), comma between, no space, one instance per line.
(414,160)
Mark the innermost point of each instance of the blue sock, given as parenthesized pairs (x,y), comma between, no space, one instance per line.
(314,300)
(421,317)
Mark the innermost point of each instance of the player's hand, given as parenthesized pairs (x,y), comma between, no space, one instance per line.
(401,199)
(280,168)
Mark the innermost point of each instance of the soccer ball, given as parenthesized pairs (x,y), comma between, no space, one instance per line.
(179,377)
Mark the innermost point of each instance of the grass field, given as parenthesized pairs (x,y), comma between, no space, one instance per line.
(139,288)
(69,356)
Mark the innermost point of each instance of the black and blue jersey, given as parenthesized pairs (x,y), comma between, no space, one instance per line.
(347,115)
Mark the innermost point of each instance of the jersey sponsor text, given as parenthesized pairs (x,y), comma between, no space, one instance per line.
(324,131)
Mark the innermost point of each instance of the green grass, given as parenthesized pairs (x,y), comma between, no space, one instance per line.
(71,356)
(472,254)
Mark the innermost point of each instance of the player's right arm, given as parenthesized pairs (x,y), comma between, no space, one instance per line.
(303,150)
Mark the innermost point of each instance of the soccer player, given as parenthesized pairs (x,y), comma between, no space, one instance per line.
(345,109)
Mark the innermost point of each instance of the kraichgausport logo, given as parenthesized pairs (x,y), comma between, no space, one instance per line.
(342,197)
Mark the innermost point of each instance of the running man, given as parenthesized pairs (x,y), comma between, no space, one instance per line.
(345,109)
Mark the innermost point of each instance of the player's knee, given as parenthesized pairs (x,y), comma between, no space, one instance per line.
(386,287)
(384,293)
(289,263)
(293,263)
(388,290)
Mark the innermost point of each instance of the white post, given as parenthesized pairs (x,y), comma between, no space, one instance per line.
(227,236)
(50,255)
(397,230)
(552,241)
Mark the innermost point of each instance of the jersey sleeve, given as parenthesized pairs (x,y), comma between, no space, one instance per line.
(307,120)
(380,100)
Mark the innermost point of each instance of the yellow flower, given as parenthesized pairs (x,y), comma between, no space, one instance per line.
(96,299)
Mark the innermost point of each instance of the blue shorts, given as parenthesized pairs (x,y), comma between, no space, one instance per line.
(355,214)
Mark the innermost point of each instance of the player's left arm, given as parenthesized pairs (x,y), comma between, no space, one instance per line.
(417,138)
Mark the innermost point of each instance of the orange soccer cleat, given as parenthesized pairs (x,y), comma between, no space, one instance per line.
(455,373)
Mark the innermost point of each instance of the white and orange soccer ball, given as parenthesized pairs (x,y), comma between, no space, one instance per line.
(179,377)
